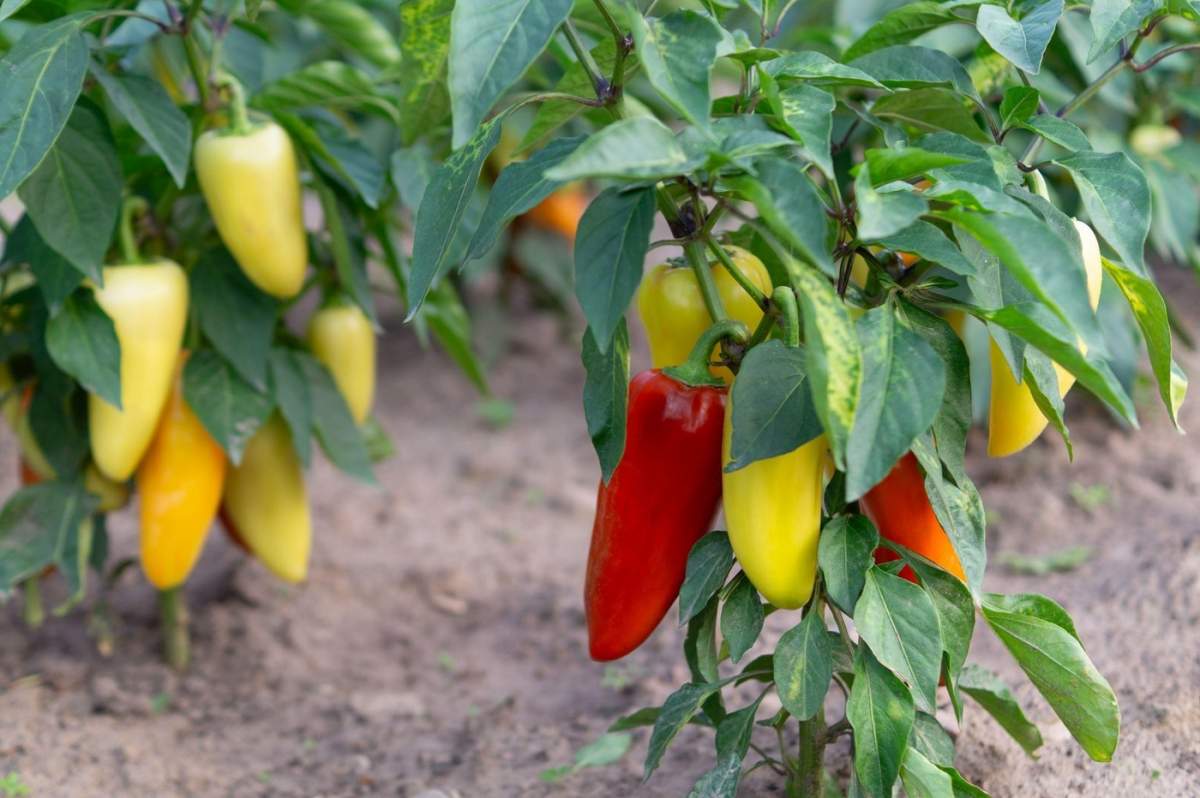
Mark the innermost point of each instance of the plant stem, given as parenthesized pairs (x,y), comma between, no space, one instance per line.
(127,237)
(35,612)
(174,614)
(806,781)
(196,67)
(737,274)
(1161,54)
(785,299)
(599,83)
(694,251)
(239,121)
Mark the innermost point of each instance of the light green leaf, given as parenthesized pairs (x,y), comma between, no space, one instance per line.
(1024,41)
(880,710)
(846,552)
(678,52)
(897,620)
(641,148)
(804,666)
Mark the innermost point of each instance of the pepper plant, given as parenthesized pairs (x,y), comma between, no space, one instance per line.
(170,320)
(846,192)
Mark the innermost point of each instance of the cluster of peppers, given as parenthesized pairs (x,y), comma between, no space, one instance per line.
(249,177)
(665,492)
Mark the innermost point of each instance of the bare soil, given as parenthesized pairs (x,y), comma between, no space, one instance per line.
(438,651)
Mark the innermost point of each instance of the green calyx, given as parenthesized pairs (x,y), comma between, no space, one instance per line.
(694,371)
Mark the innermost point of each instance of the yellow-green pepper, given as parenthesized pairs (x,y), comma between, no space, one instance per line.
(341,337)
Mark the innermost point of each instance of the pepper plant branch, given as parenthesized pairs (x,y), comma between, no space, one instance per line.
(599,83)
(1161,54)
(127,237)
(737,274)
(34,612)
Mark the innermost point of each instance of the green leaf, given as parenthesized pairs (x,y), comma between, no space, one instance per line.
(1020,103)
(676,712)
(83,342)
(846,552)
(71,196)
(772,407)
(959,509)
(1054,660)
(819,69)
(446,317)
(900,26)
(806,114)
(804,666)
(411,170)
(899,623)
(327,84)
(885,213)
(424,47)
(1150,312)
(606,396)
(56,277)
(903,381)
(352,26)
(922,778)
(707,569)
(954,606)
(10,7)
(38,527)
(1040,376)
(335,429)
(228,406)
(833,356)
(1113,20)
(953,419)
(701,653)
(289,388)
(902,163)
(1117,197)
(442,207)
(58,419)
(1023,42)
(610,249)
(1062,132)
(678,52)
(997,700)
(741,618)
(350,160)
(930,109)
(880,710)
(349,253)
(911,67)
(605,750)
(641,148)
(43,74)
(148,108)
(492,42)
(929,243)
(933,741)
(792,207)
(520,187)
(238,318)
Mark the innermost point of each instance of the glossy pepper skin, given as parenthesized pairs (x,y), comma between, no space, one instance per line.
(660,500)
(267,502)
(252,186)
(1014,420)
(148,306)
(899,508)
(672,309)
(773,514)
(179,484)
(341,337)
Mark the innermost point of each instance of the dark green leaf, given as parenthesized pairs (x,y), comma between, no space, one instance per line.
(931,244)
(1020,103)
(922,778)
(359,170)
(39,526)
(443,311)
(676,712)
(1058,131)
(491,45)
(819,69)
(606,396)
(804,666)
(56,277)
(720,782)
(880,710)
(998,701)
(707,568)
(805,113)
(701,653)
(930,109)
(148,108)
(610,249)
(238,318)
(424,46)
(953,419)
(229,407)
(954,606)
(902,163)
(772,407)
(640,148)
(339,436)
(959,509)
(1117,197)
(741,618)
(911,67)
(897,620)
(846,552)
(791,206)
(884,213)
(678,52)
(329,85)
(289,387)
(83,342)
(1113,20)
(349,256)
(933,741)
(900,26)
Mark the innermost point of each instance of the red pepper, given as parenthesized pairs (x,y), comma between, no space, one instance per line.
(660,500)
(900,510)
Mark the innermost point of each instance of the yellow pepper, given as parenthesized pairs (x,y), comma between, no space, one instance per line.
(250,181)
(179,483)
(267,502)
(673,312)
(148,306)
(773,514)
(1014,420)
(341,337)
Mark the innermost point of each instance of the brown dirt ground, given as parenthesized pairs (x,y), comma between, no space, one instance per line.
(438,648)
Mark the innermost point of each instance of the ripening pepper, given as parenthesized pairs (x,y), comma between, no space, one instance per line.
(179,484)
(659,501)
(899,508)
(1014,420)
(267,502)
(672,308)
(148,306)
(773,514)
(560,212)
(341,337)
(252,186)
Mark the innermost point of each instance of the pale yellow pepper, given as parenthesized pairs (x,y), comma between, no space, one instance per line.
(341,337)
